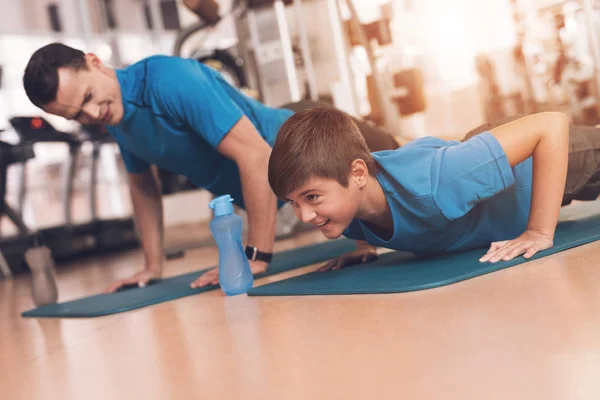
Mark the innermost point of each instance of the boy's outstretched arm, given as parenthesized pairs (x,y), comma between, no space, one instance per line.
(545,137)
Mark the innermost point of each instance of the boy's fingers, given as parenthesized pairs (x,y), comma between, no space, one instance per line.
(327,266)
(340,262)
(503,252)
(530,252)
(369,257)
(497,245)
(517,251)
(113,287)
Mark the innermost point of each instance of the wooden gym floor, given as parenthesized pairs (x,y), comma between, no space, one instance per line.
(528,332)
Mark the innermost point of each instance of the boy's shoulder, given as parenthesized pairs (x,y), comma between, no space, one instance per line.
(418,150)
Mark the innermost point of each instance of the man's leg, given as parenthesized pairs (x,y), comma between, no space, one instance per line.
(583,175)
(489,125)
(377,139)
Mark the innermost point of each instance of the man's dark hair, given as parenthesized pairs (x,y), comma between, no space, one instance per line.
(40,79)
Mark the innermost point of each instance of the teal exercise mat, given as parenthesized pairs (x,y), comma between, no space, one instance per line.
(398,272)
(179,286)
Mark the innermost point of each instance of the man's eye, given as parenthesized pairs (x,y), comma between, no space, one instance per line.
(312,197)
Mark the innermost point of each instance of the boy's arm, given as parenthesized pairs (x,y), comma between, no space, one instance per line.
(247,148)
(147,205)
(545,137)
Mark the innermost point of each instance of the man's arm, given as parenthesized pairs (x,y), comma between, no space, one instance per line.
(147,205)
(251,152)
(545,136)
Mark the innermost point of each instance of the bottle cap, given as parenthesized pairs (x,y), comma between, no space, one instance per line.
(222,205)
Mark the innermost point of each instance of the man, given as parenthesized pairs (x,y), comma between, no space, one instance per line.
(184,117)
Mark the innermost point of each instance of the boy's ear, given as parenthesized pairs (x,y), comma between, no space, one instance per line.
(359,172)
(93,61)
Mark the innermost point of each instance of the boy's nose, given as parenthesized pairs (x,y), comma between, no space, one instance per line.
(307,215)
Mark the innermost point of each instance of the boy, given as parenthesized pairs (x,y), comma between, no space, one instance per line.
(184,117)
(504,186)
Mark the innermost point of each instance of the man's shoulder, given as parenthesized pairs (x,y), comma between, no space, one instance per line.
(165,74)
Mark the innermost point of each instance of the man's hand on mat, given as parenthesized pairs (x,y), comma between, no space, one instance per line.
(364,254)
(140,279)
(212,277)
(527,245)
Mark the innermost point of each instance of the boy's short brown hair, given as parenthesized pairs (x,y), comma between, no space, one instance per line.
(316,143)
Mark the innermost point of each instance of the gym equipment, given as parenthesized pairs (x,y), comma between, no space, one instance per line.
(398,272)
(179,286)
(68,240)
(12,249)
(223,60)
(262,56)
(207,10)
(409,93)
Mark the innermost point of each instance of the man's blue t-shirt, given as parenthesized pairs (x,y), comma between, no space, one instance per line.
(176,112)
(448,196)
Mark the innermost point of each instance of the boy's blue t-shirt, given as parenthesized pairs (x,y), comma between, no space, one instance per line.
(448,196)
(176,112)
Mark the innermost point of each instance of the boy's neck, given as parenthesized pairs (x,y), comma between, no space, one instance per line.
(374,207)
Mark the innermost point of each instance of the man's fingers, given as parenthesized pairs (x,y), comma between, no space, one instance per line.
(211,277)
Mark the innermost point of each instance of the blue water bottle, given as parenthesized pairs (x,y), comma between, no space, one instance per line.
(235,276)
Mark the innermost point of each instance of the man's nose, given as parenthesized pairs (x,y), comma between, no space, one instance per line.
(92,111)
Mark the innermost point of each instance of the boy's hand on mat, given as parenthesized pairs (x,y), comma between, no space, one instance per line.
(362,255)
(212,277)
(529,243)
(140,279)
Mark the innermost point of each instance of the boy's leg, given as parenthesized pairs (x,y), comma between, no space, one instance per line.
(377,139)
(583,174)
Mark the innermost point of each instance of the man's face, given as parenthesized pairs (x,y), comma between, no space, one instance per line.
(89,96)
(326,204)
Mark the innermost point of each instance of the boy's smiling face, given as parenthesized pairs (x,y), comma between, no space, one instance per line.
(324,202)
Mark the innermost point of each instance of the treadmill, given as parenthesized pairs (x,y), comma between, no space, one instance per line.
(67,241)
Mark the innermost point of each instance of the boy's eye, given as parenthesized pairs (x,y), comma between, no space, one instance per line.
(312,197)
